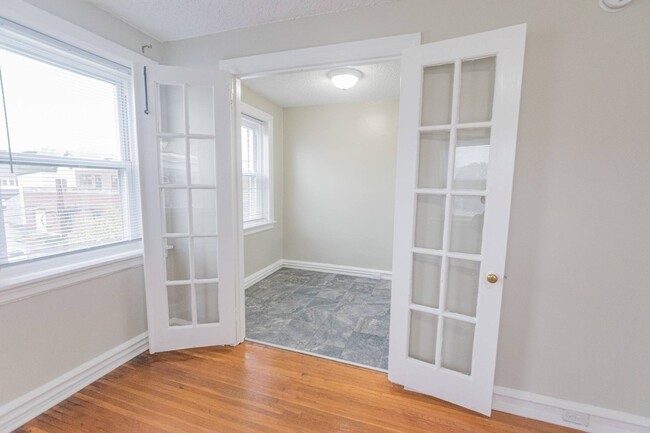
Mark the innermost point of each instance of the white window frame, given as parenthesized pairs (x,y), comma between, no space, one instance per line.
(268,221)
(22,280)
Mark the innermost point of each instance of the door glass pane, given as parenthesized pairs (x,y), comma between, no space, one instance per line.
(200,110)
(426,280)
(462,286)
(179,300)
(177,259)
(477,89)
(172,161)
(175,204)
(202,162)
(205,258)
(457,345)
(433,157)
(204,211)
(467,224)
(172,117)
(429,221)
(207,303)
(422,336)
(437,92)
(471,162)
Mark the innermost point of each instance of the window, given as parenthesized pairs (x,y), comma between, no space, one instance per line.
(64,132)
(256,127)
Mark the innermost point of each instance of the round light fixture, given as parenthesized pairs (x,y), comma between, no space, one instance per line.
(613,5)
(345,78)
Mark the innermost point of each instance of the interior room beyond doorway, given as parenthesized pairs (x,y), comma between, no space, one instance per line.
(321,193)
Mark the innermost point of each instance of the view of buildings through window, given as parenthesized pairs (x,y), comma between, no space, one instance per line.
(66,177)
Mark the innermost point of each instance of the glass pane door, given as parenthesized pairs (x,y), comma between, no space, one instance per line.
(188,190)
(191,241)
(451,195)
(459,105)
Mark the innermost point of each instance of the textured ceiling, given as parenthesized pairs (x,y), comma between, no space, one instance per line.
(380,82)
(169,20)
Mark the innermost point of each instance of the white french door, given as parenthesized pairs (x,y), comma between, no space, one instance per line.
(459,109)
(190,236)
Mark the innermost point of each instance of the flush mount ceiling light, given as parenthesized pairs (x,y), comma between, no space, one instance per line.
(345,78)
(613,5)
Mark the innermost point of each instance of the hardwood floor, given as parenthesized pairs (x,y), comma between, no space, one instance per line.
(255,388)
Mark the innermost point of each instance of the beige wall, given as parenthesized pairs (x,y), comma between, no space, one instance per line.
(100,22)
(265,248)
(575,312)
(47,335)
(339,177)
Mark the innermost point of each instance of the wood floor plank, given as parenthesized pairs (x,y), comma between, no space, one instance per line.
(256,388)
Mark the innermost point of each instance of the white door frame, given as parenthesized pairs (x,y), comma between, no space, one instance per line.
(306,59)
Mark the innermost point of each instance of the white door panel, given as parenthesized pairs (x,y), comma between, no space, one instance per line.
(459,108)
(189,219)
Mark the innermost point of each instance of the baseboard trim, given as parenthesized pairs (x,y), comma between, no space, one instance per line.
(338,269)
(550,409)
(17,412)
(261,274)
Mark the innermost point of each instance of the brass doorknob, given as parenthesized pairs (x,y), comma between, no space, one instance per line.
(492,278)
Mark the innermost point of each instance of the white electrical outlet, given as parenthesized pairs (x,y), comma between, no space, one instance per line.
(575,417)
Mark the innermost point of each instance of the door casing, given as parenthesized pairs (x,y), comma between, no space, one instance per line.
(328,56)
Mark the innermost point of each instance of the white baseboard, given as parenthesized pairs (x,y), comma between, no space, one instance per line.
(551,410)
(338,269)
(19,411)
(261,274)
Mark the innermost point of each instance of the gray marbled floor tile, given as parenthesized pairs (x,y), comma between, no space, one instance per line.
(373,326)
(366,349)
(339,316)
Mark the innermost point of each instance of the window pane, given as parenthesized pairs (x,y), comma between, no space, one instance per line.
(422,336)
(200,110)
(433,160)
(254,172)
(202,162)
(207,303)
(179,301)
(477,89)
(176,215)
(172,161)
(467,224)
(177,259)
(471,162)
(54,111)
(49,210)
(205,258)
(426,280)
(437,89)
(457,345)
(75,187)
(172,115)
(429,221)
(462,286)
(204,211)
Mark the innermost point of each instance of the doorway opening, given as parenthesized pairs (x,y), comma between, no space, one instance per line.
(318,180)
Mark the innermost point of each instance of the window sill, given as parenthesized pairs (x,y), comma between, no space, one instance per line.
(258,227)
(27,284)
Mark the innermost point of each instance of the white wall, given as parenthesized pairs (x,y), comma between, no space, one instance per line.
(339,177)
(575,311)
(49,334)
(100,22)
(265,248)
